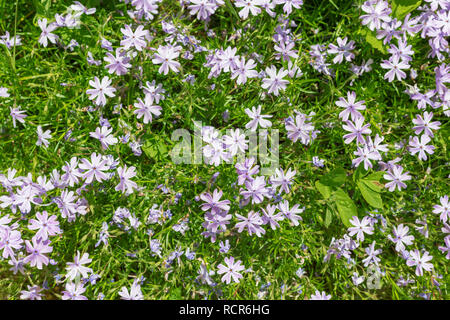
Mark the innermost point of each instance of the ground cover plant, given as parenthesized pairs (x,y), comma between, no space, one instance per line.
(220,149)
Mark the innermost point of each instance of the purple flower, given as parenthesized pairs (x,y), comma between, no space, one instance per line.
(274,80)
(443,209)
(46,226)
(421,147)
(118,64)
(18,115)
(395,66)
(351,106)
(166,55)
(125,184)
(94,168)
(101,90)
(37,249)
(252,223)
(396,176)
(230,270)
(213,202)
(146,108)
(420,262)
(356,130)
(135,38)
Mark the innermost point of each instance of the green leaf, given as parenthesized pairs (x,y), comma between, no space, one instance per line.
(372,197)
(373,181)
(400,8)
(323,189)
(335,178)
(372,40)
(345,206)
(328,218)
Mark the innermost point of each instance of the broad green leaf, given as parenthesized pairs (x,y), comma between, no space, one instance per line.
(373,181)
(335,178)
(400,8)
(372,40)
(345,206)
(323,189)
(372,197)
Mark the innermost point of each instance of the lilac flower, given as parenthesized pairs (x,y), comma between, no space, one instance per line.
(101,90)
(360,227)
(244,70)
(94,168)
(403,51)
(396,176)
(135,38)
(420,146)
(395,67)
(446,248)
(43,136)
(76,268)
(248,6)
(421,262)
(125,174)
(256,190)
(285,51)
(146,108)
(103,235)
(33,293)
(318,162)
(300,128)
(9,240)
(289,4)
(10,42)
(118,64)
(371,255)
(269,216)
(291,214)
(74,292)
(320,296)
(77,6)
(274,82)
(72,173)
(224,247)
(37,249)
(166,56)
(213,202)
(257,119)
(46,226)
(356,130)
(134,294)
(423,123)
(443,209)
(364,155)
(235,141)
(351,106)
(252,223)
(377,12)
(46,33)
(18,115)
(230,270)
(343,50)
(246,170)
(105,137)
(105,44)
(4,92)
(401,237)
(203,8)
(282,180)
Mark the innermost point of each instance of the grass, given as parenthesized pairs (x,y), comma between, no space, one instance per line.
(34,75)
